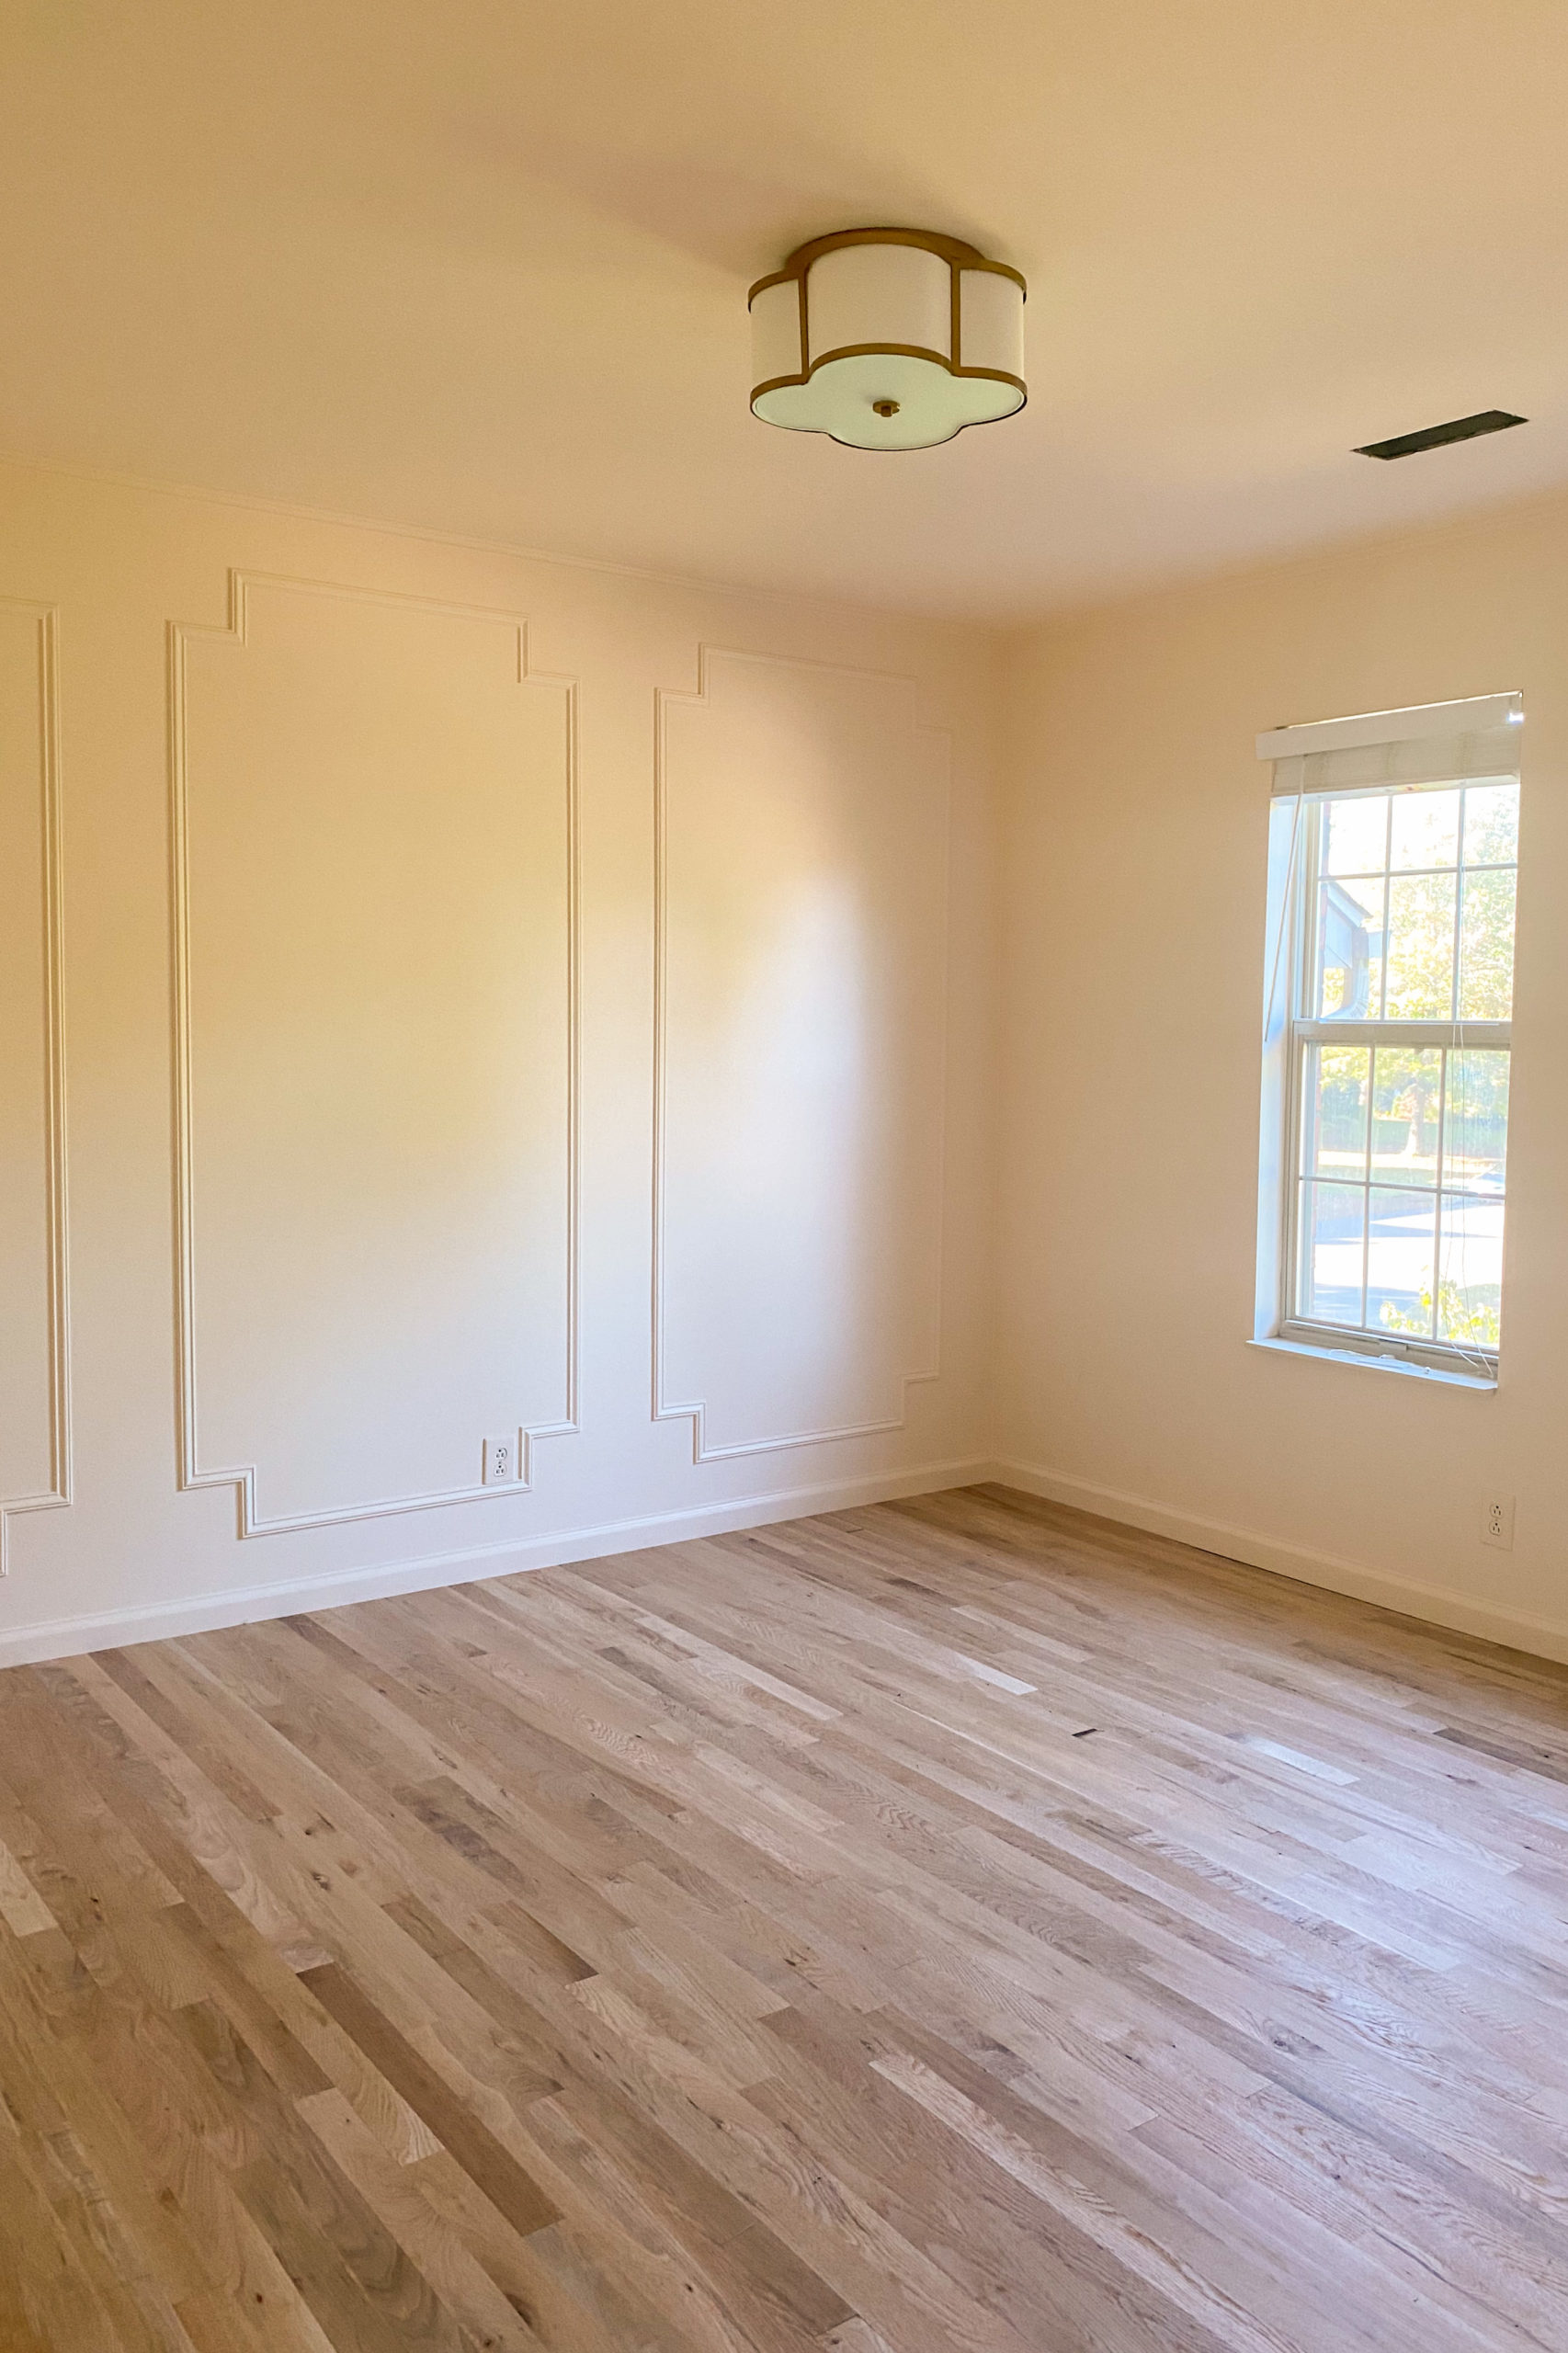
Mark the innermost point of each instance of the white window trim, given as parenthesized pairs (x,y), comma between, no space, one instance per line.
(1322,1347)
(1288,937)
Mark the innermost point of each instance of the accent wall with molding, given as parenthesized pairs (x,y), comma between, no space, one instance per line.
(453,1000)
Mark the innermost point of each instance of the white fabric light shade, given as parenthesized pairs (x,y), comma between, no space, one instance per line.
(887,339)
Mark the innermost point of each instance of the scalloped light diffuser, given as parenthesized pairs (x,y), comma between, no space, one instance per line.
(887,339)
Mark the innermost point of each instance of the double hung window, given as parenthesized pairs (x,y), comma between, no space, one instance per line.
(1388,1030)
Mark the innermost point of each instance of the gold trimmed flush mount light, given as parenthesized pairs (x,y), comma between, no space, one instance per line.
(887,339)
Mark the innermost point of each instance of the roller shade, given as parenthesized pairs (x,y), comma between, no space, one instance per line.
(1434,743)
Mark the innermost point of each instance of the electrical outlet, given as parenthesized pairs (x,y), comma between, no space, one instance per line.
(501,1462)
(1497,1522)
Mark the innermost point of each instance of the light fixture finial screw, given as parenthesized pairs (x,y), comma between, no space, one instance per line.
(885,408)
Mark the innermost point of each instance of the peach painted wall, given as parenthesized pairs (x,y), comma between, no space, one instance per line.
(1134,918)
(387,877)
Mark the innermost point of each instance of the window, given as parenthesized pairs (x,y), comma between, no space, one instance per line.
(1395,853)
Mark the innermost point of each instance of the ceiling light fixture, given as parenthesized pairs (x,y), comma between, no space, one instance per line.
(888,339)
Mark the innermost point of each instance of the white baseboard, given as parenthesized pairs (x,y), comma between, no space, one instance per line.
(238,1606)
(203,1613)
(1432,1604)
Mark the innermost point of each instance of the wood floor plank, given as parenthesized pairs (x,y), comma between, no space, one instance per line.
(960,1923)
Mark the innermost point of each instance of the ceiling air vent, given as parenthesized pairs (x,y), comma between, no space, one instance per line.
(1432,436)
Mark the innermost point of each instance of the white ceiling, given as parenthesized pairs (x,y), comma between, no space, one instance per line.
(480,266)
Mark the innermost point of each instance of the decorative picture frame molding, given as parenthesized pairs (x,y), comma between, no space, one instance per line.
(243,1476)
(58,1494)
(696,1409)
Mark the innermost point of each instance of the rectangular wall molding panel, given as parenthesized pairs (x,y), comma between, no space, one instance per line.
(801,949)
(35,1365)
(376,1048)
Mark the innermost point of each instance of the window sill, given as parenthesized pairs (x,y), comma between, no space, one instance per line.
(1400,1365)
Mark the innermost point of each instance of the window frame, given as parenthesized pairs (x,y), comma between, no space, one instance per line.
(1295,872)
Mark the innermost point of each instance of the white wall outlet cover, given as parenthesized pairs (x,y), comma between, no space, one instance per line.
(501,1461)
(1497,1522)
